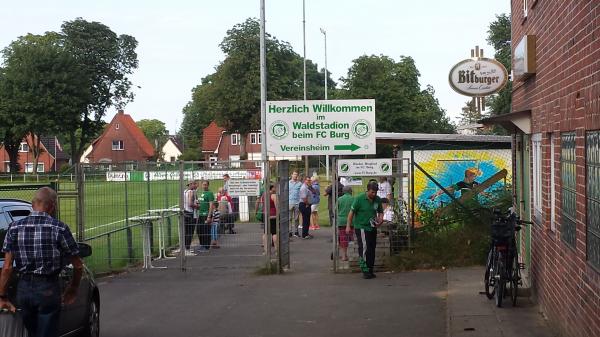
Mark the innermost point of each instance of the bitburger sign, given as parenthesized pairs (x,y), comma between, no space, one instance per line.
(478,77)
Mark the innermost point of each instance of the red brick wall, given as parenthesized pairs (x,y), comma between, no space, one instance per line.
(563,96)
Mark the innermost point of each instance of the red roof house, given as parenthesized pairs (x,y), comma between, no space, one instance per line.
(121,142)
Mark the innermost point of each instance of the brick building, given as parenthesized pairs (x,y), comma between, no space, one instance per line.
(224,148)
(51,157)
(556,123)
(121,142)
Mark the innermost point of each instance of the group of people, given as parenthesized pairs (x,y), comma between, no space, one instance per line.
(206,214)
(304,199)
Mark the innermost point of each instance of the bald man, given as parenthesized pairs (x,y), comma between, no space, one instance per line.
(37,244)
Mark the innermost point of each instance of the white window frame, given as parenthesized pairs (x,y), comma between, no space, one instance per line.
(29,167)
(525,8)
(536,179)
(23,147)
(253,139)
(213,159)
(7,166)
(235,139)
(119,146)
(552,183)
(259,137)
(117,126)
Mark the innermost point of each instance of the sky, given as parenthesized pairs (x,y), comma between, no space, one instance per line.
(179,40)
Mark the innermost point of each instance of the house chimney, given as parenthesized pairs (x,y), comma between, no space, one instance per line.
(121,111)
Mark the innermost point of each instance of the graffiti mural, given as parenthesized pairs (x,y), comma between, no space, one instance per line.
(448,167)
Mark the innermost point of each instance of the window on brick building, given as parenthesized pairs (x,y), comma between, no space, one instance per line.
(117,145)
(536,147)
(23,147)
(253,138)
(568,188)
(592,161)
(235,139)
(525,8)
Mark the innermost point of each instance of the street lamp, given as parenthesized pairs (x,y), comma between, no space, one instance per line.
(325,37)
(326,156)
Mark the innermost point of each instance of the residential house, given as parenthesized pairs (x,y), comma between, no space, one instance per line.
(51,157)
(556,127)
(121,142)
(223,148)
(172,149)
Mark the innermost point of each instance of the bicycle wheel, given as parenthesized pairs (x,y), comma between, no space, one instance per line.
(500,283)
(488,279)
(514,281)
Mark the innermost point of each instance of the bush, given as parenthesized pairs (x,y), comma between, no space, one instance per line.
(454,237)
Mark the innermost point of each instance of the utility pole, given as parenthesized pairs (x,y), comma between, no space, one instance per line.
(263,131)
(304,61)
(326,74)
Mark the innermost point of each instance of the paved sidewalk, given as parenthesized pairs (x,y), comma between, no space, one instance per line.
(472,314)
(307,301)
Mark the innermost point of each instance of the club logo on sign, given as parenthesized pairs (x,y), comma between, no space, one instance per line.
(362,128)
(344,168)
(385,167)
(279,129)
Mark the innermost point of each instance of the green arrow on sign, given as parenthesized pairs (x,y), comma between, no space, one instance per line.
(352,147)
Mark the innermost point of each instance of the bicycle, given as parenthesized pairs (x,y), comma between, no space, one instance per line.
(503,265)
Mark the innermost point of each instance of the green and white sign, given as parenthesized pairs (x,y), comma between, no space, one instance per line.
(364,167)
(334,127)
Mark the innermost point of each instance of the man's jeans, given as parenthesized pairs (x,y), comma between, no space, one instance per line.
(40,303)
(294,218)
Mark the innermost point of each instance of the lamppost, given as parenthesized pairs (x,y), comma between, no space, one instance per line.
(326,73)
(326,156)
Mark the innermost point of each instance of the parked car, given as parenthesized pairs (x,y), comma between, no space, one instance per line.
(82,318)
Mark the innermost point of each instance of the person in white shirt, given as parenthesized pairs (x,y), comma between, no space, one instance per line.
(388,212)
(385,189)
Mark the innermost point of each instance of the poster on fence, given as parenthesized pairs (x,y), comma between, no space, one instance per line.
(243,187)
(450,167)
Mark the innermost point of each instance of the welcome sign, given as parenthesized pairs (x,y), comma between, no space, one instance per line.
(321,127)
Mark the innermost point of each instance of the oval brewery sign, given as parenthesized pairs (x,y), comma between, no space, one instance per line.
(478,77)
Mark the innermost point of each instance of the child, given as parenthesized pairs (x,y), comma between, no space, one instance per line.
(214,229)
(388,212)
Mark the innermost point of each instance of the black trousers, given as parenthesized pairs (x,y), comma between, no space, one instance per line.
(305,211)
(203,231)
(189,224)
(367,241)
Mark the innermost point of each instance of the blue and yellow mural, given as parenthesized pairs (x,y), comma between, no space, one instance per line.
(448,168)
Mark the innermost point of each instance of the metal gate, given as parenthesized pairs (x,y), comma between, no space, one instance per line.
(134,214)
(393,235)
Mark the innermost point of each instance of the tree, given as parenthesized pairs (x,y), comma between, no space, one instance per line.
(196,116)
(499,35)
(232,94)
(42,85)
(107,60)
(401,105)
(156,133)
(469,114)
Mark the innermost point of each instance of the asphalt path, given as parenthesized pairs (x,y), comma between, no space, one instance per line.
(221,295)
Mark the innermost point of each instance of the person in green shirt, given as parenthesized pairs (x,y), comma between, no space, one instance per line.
(344,204)
(366,214)
(205,210)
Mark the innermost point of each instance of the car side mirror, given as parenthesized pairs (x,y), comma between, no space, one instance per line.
(85,250)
